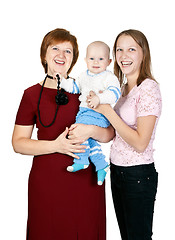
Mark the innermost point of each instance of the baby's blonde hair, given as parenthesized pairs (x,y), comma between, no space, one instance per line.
(97,43)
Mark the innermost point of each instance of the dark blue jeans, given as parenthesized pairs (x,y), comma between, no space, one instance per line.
(134,190)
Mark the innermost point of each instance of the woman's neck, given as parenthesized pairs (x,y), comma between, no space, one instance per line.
(130,86)
(131,83)
(51,83)
(132,80)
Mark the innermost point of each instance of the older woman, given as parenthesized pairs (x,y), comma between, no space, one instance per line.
(61,205)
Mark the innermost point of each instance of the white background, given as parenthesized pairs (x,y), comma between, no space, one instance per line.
(23,26)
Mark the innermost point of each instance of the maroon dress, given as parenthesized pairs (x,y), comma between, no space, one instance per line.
(61,205)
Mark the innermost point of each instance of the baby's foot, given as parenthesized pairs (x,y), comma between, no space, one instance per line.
(76,167)
(101,174)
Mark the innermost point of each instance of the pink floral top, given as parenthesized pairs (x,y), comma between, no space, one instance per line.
(141,101)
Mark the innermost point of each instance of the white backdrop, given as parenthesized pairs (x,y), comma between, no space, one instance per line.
(23,26)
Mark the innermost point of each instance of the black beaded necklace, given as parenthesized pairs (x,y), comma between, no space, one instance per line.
(60,99)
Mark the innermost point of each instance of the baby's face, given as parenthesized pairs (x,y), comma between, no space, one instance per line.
(97,58)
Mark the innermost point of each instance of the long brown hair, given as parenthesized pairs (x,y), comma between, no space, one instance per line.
(56,36)
(145,69)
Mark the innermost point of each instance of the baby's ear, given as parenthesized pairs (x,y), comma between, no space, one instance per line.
(110,60)
(85,59)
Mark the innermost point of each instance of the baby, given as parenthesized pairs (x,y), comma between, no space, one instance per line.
(106,87)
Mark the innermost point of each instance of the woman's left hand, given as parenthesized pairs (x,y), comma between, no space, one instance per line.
(103,108)
(78,130)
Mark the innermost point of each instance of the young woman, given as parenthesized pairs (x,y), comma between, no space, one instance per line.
(61,205)
(135,117)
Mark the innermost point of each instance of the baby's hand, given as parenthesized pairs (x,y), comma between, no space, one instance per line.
(93,101)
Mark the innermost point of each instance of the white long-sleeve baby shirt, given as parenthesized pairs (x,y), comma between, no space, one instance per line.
(105,81)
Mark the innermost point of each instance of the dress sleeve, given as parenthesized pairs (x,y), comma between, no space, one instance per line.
(149,101)
(26,114)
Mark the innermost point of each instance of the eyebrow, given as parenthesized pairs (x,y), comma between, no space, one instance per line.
(57,44)
(127,46)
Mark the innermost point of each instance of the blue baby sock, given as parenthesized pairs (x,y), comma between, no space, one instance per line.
(76,167)
(101,174)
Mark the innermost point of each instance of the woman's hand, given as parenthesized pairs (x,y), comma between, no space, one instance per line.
(100,134)
(103,108)
(22,143)
(79,131)
(69,146)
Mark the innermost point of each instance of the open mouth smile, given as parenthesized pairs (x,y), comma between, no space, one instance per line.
(126,63)
(59,62)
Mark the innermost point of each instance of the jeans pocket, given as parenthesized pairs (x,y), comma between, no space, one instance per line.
(133,188)
(141,185)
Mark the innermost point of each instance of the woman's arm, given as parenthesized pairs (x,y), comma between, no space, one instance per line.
(22,143)
(139,138)
(91,131)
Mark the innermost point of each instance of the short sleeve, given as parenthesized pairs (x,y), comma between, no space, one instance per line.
(149,101)
(25,114)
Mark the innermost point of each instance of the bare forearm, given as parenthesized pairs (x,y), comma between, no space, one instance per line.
(22,143)
(128,134)
(137,138)
(33,147)
(102,134)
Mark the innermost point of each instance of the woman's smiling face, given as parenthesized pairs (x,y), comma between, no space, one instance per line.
(59,57)
(129,56)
